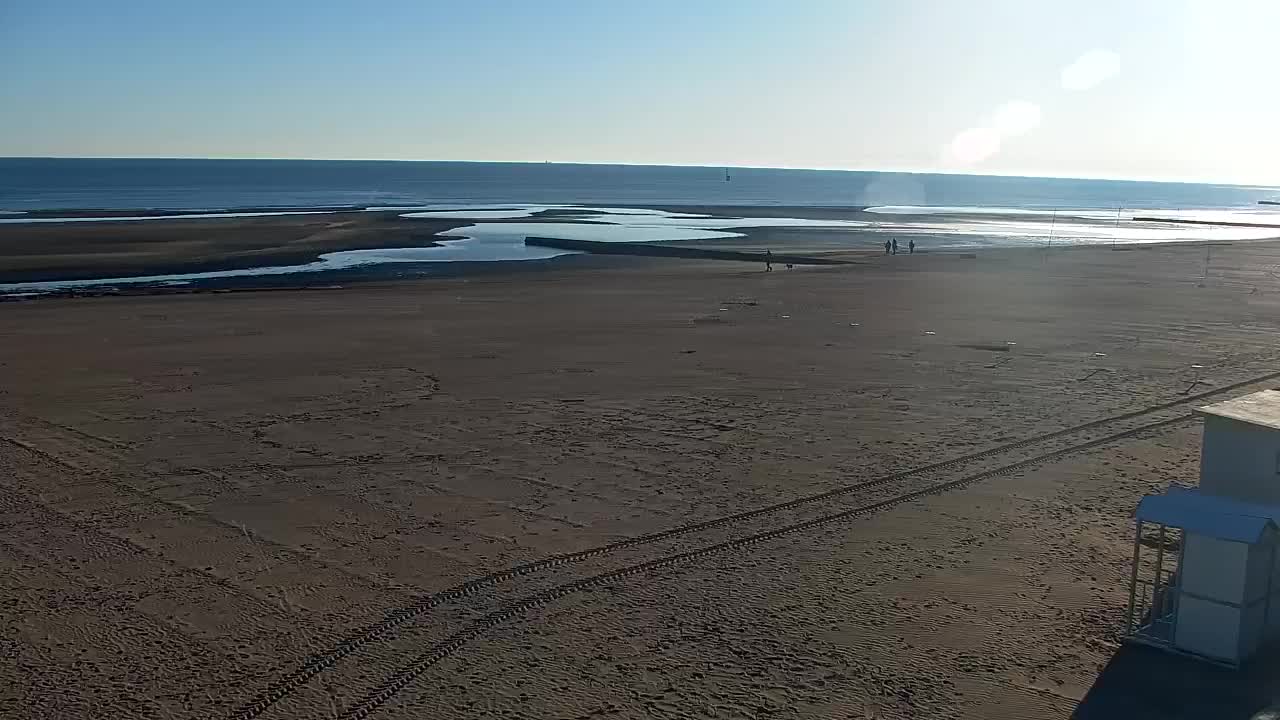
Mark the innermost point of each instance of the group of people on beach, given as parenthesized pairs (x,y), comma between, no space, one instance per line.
(891,246)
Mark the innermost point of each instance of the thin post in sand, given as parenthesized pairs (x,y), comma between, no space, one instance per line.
(1052,224)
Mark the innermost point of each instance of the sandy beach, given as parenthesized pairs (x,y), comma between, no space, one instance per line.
(897,489)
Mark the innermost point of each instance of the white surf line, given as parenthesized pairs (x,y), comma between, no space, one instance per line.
(1028,227)
(1100,214)
(954,210)
(510,211)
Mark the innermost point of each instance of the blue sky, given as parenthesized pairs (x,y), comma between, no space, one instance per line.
(1166,89)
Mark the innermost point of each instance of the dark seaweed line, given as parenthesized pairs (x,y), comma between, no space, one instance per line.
(282,688)
(440,652)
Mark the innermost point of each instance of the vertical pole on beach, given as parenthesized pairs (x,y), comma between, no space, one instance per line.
(1052,224)
(1157,600)
(1133,579)
(1115,231)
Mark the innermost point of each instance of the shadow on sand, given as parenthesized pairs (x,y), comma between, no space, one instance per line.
(1142,683)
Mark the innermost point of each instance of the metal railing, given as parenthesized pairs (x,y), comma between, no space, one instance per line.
(1155,609)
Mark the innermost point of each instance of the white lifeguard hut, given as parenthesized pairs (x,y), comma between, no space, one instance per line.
(1208,583)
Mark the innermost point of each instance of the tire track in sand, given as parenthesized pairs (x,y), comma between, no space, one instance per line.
(373,633)
(408,673)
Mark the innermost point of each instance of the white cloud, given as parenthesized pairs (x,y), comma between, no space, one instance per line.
(1016,118)
(1090,69)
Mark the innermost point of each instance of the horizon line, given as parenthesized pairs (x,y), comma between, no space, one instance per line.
(1259,185)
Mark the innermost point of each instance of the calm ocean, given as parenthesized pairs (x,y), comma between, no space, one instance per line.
(45,183)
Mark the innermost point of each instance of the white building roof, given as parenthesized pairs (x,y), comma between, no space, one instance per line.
(1217,517)
(1260,408)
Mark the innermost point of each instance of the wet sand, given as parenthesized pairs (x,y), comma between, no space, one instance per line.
(82,250)
(157,247)
(245,502)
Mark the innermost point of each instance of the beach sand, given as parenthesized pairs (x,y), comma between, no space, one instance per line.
(203,495)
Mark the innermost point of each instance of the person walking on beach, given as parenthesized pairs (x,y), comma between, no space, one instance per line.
(895,246)
(886,247)
(911,246)
(768,261)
